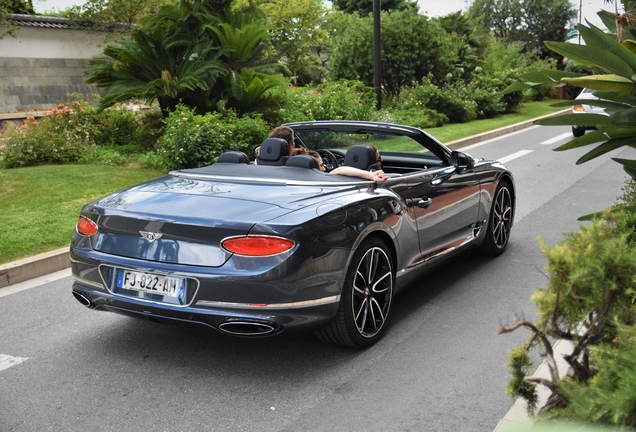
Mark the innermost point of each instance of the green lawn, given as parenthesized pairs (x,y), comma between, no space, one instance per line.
(451,132)
(39,206)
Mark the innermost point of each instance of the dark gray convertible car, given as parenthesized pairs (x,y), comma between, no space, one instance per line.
(278,247)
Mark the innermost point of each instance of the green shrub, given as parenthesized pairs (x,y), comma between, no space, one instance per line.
(152,160)
(340,100)
(65,133)
(496,82)
(610,396)
(449,100)
(45,140)
(192,140)
(422,118)
(590,296)
(413,47)
(116,126)
(628,197)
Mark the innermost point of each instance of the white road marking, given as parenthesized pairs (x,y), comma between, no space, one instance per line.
(505,159)
(557,138)
(32,283)
(6,361)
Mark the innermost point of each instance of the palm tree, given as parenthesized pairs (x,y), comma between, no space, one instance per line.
(250,69)
(186,53)
(146,66)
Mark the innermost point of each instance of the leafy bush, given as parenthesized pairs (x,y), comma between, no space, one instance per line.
(348,100)
(191,140)
(450,101)
(610,396)
(590,295)
(422,118)
(49,139)
(70,132)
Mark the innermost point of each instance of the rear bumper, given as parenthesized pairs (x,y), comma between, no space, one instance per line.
(234,319)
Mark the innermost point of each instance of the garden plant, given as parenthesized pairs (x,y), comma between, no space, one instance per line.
(590,299)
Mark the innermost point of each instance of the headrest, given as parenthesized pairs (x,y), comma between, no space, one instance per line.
(303,161)
(233,157)
(362,157)
(273,151)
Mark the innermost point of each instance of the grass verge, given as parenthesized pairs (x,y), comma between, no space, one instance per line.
(528,111)
(39,205)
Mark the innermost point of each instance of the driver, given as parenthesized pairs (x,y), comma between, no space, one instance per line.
(286,133)
(376,176)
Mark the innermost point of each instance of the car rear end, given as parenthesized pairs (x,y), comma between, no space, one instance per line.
(586,106)
(209,254)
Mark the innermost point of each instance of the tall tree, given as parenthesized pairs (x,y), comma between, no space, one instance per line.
(413,47)
(545,21)
(8,7)
(503,18)
(296,30)
(186,53)
(530,22)
(127,12)
(365,7)
(17,6)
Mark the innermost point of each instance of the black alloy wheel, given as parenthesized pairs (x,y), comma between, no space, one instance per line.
(366,298)
(499,222)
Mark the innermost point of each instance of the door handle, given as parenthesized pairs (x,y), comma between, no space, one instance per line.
(424,202)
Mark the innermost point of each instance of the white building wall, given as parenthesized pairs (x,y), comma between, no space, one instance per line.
(41,66)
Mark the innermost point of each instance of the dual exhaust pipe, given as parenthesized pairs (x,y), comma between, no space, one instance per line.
(234,328)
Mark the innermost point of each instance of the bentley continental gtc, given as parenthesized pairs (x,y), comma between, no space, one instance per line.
(275,246)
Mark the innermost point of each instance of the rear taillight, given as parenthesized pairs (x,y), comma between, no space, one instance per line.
(578,108)
(257,245)
(86,227)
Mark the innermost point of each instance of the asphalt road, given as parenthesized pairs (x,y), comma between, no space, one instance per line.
(440,366)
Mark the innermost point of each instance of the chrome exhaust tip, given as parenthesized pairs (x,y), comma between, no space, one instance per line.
(247,328)
(82,299)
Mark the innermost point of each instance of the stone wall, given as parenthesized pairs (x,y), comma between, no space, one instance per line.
(39,83)
(44,62)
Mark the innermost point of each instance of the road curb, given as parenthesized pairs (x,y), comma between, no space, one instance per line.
(485,136)
(48,262)
(517,418)
(35,266)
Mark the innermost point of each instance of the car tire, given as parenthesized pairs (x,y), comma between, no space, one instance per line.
(366,298)
(499,222)
(578,131)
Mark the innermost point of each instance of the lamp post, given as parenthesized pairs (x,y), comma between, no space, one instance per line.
(377,53)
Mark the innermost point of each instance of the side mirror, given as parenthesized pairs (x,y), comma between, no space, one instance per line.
(462,161)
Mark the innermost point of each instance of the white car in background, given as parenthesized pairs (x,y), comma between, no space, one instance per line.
(585,107)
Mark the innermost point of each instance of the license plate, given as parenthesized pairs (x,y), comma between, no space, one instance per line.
(151,283)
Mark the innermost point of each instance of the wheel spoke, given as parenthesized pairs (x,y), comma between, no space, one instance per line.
(375,303)
(361,315)
(373,321)
(380,279)
(373,263)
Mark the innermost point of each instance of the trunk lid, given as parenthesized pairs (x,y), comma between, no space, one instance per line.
(182,221)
